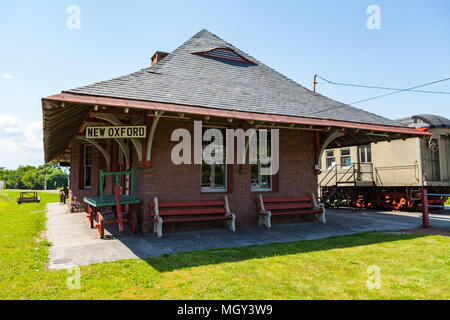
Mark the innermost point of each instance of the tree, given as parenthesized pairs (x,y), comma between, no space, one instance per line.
(3,173)
(29,177)
(14,177)
(33,180)
(57,179)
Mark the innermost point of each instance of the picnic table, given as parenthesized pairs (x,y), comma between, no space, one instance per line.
(28,196)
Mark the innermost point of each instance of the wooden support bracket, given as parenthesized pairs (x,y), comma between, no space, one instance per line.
(147,151)
(99,147)
(332,135)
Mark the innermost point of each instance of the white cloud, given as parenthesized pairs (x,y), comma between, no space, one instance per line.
(11,130)
(9,123)
(7,120)
(20,142)
(7,76)
(33,135)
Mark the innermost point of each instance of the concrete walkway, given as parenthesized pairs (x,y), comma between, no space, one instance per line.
(74,243)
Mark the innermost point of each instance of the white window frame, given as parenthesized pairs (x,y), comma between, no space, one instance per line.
(257,189)
(259,179)
(213,166)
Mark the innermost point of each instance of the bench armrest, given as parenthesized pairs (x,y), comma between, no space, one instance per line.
(264,215)
(156,208)
(319,206)
(227,207)
(316,204)
(261,208)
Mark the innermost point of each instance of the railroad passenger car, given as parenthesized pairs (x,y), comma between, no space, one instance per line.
(390,174)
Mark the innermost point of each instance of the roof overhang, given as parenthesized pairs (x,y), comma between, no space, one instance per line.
(63,132)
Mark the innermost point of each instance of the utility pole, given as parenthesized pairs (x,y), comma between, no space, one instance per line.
(315,82)
(45,177)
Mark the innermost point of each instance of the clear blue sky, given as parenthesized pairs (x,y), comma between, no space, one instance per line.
(40,56)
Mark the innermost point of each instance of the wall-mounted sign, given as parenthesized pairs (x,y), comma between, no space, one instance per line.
(116,132)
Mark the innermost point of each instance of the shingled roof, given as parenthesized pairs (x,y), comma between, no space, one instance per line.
(187,78)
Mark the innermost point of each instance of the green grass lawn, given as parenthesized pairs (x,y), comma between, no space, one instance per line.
(412,267)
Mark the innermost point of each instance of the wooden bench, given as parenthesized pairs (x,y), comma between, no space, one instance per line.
(269,207)
(163,212)
(112,209)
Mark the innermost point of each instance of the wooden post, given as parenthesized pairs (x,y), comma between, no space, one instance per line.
(145,162)
(317,170)
(243,126)
(119,207)
(424,198)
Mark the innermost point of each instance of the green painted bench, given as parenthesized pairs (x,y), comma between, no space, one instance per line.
(116,203)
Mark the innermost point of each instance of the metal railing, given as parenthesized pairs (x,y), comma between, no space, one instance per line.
(424,195)
(342,174)
(347,175)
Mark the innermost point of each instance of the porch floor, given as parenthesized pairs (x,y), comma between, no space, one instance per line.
(74,243)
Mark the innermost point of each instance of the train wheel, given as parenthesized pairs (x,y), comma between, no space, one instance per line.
(403,202)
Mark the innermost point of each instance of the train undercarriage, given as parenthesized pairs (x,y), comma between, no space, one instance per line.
(390,198)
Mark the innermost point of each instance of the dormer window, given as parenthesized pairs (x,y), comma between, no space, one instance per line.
(224,54)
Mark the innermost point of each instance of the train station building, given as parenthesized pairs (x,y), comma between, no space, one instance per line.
(128,123)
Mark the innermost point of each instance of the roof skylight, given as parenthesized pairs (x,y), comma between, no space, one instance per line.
(224,54)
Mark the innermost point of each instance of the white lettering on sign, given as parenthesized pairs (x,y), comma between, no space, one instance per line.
(116,132)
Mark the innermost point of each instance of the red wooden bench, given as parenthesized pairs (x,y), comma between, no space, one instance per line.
(269,207)
(163,212)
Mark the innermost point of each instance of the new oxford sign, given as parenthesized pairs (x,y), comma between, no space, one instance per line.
(117,132)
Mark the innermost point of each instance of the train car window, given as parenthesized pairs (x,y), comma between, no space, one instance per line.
(331,160)
(365,154)
(346,160)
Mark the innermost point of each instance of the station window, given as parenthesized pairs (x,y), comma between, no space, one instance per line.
(259,180)
(87,167)
(346,160)
(214,175)
(365,154)
(331,160)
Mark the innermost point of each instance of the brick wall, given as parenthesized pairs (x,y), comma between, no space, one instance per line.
(170,182)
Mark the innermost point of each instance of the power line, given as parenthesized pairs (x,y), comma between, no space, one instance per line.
(402,90)
(383,95)
(375,87)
